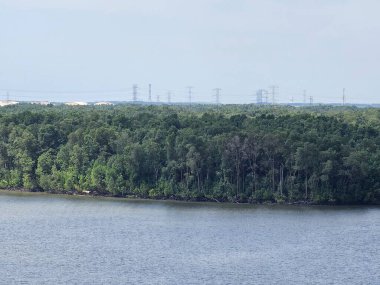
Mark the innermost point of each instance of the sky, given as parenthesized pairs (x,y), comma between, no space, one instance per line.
(95,50)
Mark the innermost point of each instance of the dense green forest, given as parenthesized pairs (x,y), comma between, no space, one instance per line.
(237,153)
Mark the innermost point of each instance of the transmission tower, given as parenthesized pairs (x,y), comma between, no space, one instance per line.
(190,93)
(261,94)
(311,100)
(217,95)
(265,96)
(169,97)
(344,96)
(274,92)
(150,93)
(135,87)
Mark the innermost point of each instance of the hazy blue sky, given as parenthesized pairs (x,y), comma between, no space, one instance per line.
(237,45)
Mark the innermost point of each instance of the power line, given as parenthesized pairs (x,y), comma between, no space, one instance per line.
(328,98)
(65,92)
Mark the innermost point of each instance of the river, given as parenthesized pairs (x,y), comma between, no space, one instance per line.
(51,239)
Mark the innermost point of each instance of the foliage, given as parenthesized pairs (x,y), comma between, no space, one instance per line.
(241,153)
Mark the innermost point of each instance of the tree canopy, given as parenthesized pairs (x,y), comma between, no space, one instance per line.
(238,153)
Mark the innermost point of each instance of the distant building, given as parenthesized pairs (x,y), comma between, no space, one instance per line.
(76,103)
(104,104)
(8,103)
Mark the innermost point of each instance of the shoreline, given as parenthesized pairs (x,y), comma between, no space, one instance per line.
(190,201)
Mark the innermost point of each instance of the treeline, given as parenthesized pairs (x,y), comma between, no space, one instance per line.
(223,153)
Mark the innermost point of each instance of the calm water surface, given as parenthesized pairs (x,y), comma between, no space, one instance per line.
(59,240)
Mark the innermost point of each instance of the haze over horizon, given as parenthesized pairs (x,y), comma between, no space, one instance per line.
(239,46)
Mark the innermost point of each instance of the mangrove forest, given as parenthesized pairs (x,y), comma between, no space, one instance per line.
(235,153)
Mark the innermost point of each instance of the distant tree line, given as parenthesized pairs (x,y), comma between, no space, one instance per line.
(223,153)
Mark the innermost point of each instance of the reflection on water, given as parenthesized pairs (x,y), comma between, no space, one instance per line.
(48,239)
